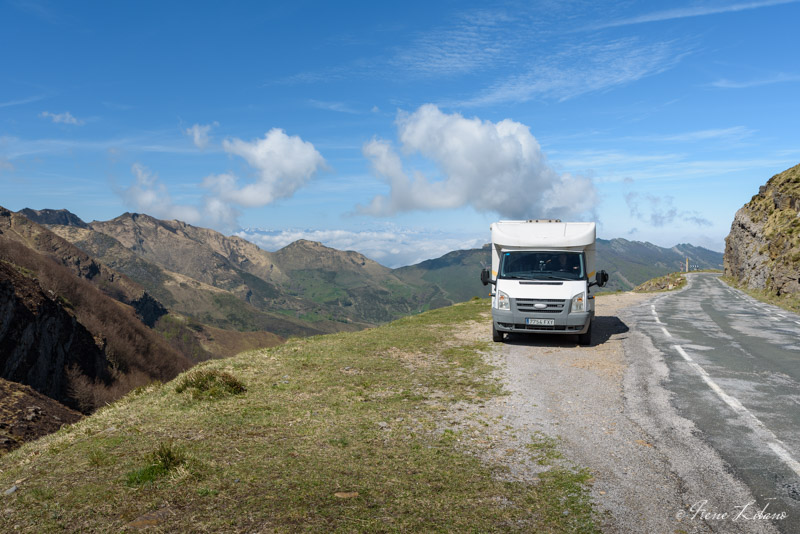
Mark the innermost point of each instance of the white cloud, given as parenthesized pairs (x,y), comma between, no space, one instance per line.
(389,246)
(735,133)
(474,40)
(199,134)
(283,164)
(778,78)
(148,195)
(339,107)
(21,101)
(493,167)
(61,118)
(688,12)
(660,211)
(581,69)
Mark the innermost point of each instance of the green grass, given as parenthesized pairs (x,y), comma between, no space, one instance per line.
(336,433)
(165,458)
(210,384)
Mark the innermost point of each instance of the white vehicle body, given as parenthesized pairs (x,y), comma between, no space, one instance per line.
(544,275)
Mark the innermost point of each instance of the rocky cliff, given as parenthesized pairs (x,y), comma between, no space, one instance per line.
(762,250)
(40,341)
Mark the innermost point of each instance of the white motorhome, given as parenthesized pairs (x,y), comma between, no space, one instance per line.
(543,274)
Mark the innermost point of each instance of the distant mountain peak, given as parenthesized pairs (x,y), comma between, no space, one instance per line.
(48,216)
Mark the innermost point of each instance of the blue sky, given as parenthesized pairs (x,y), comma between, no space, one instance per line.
(401,131)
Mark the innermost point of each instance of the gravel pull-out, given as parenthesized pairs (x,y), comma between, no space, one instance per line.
(605,409)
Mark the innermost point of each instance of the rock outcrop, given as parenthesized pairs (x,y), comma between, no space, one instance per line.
(61,217)
(762,250)
(40,341)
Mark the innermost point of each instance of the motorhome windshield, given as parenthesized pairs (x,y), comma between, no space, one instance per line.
(529,265)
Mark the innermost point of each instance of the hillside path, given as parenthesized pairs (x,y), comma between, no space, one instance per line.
(607,409)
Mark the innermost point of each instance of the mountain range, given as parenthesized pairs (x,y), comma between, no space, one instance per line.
(91,310)
(307,288)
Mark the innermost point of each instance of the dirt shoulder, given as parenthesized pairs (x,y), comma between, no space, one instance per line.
(596,406)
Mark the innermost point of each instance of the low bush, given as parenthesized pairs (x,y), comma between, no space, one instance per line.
(159,462)
(211,384)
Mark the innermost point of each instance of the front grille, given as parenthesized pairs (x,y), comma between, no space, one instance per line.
(529,305)
(554,328)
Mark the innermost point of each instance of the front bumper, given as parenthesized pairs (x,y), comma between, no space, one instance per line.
(514,320)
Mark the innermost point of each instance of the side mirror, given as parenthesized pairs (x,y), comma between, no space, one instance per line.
(486,277)
(600,279)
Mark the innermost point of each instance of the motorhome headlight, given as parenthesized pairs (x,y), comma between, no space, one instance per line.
(579,302)
(502,301)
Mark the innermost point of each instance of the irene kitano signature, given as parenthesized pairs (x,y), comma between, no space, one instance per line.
(746,512)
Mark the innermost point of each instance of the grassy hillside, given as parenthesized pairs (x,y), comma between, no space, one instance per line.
(457,273)
(337,433)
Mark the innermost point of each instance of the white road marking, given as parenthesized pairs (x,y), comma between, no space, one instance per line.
(665,332)
(772,440)
(655,315)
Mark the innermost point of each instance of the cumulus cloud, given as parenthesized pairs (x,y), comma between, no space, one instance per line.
(147,194)
(199,134)
(660,211)
(493,167)
(283,165)
(61,118)
(389,246)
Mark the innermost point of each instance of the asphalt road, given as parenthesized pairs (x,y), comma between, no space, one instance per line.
(733,370)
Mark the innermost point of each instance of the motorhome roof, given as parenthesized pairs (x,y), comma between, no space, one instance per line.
(543,234)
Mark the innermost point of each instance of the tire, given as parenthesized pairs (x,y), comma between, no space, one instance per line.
(586,338)
(497,337)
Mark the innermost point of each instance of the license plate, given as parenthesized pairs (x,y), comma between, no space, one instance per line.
(539,322)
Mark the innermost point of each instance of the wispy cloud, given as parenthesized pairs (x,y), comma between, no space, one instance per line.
(659,211)
(686,12)
(667,168)
(584,68)
(200,134)
(339,107)
(474,40)
(39,9)
(61,118)
(21,101)
(734,133)
(778,78)
(15,147)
